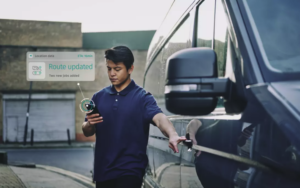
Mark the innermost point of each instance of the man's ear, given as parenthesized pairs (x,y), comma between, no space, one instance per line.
(130,69)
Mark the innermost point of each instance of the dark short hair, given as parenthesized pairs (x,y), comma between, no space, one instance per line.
(120,54)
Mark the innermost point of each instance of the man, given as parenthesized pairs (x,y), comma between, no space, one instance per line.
(122,129)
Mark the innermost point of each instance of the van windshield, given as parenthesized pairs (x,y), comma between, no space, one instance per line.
(276,28)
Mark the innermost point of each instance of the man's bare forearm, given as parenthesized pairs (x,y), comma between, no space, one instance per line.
(88,129)
(165,125)
(167,128)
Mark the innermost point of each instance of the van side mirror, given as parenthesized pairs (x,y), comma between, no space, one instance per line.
(192,83)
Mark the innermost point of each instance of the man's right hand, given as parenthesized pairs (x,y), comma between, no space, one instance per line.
(94,119)
(88,127)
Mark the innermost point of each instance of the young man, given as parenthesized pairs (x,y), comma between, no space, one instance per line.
(122,129)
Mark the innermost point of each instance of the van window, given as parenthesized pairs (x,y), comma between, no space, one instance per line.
(205,30)
(179,40)
(151,83)
(276,27)
(220,38)
(205,24)
(176,11)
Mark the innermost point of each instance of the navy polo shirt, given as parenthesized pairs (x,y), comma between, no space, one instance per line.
(122,137)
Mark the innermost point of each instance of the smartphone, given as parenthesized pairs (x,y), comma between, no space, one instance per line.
(95,109)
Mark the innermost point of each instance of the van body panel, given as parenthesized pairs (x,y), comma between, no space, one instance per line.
(266,131)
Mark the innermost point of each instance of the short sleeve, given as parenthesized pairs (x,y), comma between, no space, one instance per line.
(93,99)
(150,108)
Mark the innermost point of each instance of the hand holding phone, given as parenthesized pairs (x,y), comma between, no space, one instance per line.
(93,117)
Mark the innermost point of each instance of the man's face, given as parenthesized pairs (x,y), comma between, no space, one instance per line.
(117,72)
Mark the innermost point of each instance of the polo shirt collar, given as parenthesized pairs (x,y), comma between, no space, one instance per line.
(113,91)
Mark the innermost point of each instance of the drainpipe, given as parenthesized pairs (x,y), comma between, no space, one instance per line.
(28,107)
(27,115)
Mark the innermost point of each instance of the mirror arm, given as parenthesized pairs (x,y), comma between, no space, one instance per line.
(216,87)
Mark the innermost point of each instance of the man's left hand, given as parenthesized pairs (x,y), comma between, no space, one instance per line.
(174,140)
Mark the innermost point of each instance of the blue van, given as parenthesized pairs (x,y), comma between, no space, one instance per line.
(227,74)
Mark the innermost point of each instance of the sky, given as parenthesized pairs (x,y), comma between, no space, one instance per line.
(95,15)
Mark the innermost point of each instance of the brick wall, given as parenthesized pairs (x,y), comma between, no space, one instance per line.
(40,33)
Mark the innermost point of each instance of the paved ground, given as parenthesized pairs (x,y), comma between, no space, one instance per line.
(46,145)
(8,178)
(175,176)
(79,160)
(39,178)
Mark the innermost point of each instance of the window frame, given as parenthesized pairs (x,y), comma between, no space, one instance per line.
(195,29)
